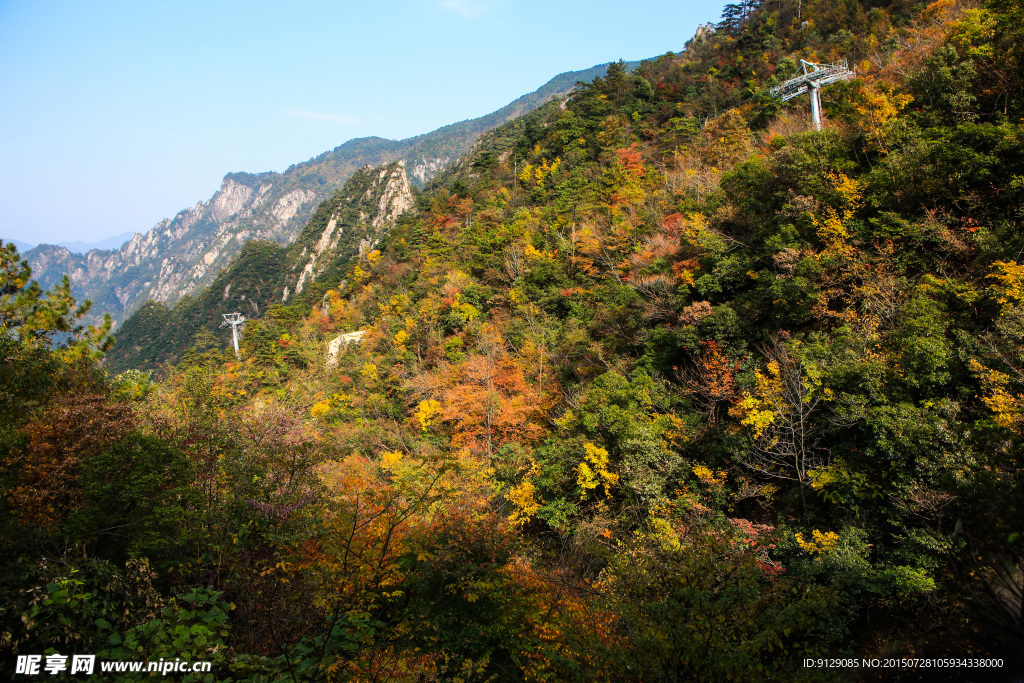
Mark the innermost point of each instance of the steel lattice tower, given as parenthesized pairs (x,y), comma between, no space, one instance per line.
(235,321)
(812,80)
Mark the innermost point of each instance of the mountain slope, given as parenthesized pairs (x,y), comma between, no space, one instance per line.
(347,225)
(263,273)
(657,384)
(718,362)
(181,255)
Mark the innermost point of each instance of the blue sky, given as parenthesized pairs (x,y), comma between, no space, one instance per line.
(114,115)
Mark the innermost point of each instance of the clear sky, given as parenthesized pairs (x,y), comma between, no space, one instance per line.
(116,114)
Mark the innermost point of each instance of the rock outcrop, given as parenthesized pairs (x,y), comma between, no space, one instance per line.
(181,255)
(370,203)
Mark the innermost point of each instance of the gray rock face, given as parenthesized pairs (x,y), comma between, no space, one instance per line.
(426,169)
(183,254)
(704,32)
(373,201)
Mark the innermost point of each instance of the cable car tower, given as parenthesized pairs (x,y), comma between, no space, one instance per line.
(235,321)
(811,81)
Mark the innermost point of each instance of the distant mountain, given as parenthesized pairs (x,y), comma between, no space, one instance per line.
(22,246)
(79,247)
(181,255)
(115,242)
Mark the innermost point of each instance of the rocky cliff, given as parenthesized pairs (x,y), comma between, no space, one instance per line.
(347,224)
(370,202)
(181,255)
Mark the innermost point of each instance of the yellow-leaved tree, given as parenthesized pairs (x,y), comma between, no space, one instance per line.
(787,416)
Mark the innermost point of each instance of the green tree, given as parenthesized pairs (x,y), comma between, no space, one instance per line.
(32,315)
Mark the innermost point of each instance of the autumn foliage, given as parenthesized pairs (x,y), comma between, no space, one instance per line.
(657,384)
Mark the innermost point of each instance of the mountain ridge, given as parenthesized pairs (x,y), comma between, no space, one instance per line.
(183,254)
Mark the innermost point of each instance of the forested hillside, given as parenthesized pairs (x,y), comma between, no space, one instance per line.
(657,385)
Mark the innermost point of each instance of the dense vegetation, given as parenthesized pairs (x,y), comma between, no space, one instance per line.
(659,385)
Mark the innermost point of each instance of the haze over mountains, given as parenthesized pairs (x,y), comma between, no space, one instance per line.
(181,255)
(80,247)
(22,246)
